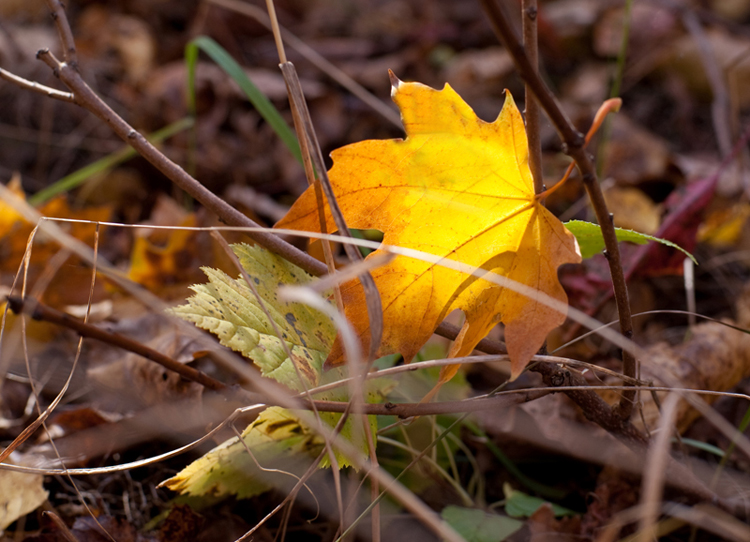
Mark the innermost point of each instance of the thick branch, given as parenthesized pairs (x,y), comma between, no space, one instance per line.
(86,98)
(574,147)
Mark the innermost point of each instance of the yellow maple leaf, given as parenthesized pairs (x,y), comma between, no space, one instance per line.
(459,188)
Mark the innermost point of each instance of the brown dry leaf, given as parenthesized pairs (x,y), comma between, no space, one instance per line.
(72,283)
(14,230)
(132,382)
(545,527)
(730,51)
(167,257)
(723,227)
(101,31)
(634,154)
(20,494)
(633,209)
(715,358)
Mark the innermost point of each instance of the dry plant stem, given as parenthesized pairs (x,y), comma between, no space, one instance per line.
(592,405)
(39,311)
(313,180)
(530,42)
(574,147)
(86,98)
(653,475)
(66,533)
(315,59)
(305,130)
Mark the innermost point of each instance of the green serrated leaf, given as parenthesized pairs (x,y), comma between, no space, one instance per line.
(478,526)
(590,238)
(228,308)
(278,439)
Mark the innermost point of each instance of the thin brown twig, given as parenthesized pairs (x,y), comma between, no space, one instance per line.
(70,55)
(574,146)
(533,121)
(84,96)
(36,87)
(42,312)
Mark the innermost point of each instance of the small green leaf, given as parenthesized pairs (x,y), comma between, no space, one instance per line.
(229,309)
(478,526)
(590,238)
(520,505)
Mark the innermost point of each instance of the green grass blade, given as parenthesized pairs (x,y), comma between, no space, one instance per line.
(75,179)
(261,103)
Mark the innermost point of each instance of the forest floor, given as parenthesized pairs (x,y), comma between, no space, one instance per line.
(667,163)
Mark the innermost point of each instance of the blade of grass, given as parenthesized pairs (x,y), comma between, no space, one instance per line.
(232,68)
(725,457)
(75,179)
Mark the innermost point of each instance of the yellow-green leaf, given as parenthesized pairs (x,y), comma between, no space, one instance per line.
(229,309)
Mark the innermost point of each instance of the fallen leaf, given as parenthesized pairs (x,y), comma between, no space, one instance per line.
(544,527)
(276,438)
(20,494)
(632,209)
(229,309)
(715,358)
(723,227)
(459,188)
(520,505)
(479,526)
(73,283)
(251,324)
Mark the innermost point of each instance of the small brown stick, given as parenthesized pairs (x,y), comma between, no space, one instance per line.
(40,311)
(314,58)
(530,42)
(64,31)
(593,406)
(66,533)
(574,146)
(36,87)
